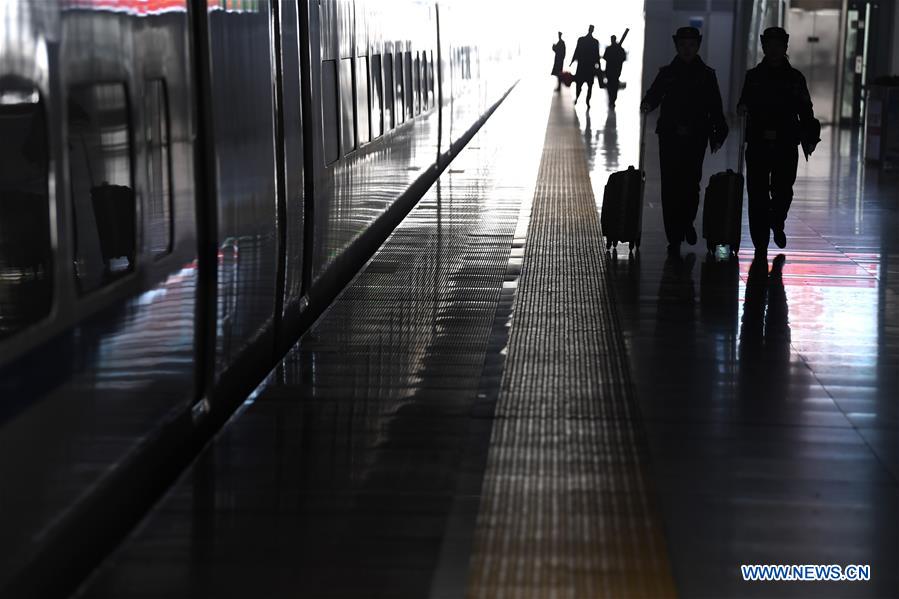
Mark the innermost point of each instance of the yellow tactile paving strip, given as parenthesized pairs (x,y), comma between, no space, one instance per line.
(567,510)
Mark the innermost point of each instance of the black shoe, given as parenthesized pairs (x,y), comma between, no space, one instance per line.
(780,238)
(690,236)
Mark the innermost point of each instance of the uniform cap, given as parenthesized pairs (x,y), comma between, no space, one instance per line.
(687,33)
(776,33)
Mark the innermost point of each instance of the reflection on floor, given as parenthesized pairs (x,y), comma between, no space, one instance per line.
(769,388)
(766,389)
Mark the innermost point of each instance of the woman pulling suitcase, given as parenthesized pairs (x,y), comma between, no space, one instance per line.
(691,117)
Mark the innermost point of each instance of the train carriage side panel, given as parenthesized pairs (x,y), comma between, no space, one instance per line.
(88,389)
(242,107)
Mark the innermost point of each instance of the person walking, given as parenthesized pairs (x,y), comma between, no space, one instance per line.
(776,101)
(691,117)
(614,56)
(586,53)
(559,61)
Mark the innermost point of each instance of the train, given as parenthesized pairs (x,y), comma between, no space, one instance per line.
(185,186)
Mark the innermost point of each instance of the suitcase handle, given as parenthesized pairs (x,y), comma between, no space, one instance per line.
(642,140)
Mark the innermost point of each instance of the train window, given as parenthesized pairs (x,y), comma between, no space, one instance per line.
(26,253)
(409,95)
(388,93)
(330,132)
(362,109)
(159,189)
(99,138)
(399,111)
(424,81)
(347,125)
(416,83)
(377,95)
(431,99)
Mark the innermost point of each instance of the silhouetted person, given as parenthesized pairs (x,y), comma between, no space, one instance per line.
(614,56)
(691,117)
(776,100)
(586,53)
(559,62)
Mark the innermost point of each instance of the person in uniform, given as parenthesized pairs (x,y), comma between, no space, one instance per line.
(559,50)
(586,53)
(691,117)
(614,56)
(776,101)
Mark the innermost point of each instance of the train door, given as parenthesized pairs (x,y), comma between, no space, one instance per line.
(859,23)
(814,50)
(240,199)
(290,160)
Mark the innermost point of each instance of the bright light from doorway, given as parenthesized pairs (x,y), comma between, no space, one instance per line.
(572,17)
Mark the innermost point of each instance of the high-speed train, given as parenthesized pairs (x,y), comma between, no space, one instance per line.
(185,185)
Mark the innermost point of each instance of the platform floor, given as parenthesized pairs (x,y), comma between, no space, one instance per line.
(495,407)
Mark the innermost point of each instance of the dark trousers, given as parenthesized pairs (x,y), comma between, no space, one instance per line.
(770,174)
(580,83)
(612,89)
(680,162)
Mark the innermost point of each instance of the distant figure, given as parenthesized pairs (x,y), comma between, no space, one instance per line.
(614,57)
(559,62)
(586,53)
(691,117)
(778,106)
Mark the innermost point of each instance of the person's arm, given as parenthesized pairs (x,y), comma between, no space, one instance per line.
(804,102)
(655,94)
(716,115)
(809,126)
(743,102)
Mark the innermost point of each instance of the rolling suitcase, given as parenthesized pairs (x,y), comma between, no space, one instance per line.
(622,202)
(722,212)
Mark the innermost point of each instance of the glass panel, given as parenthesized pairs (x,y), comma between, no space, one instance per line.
(851,48)
(377,92)
(416,82)
(426,100)
(408,97)
(399,90)
(347,126)
(99,137)
(389,114)
(431,75)
(330,134)
(362,110)
(159,195)
(26,276)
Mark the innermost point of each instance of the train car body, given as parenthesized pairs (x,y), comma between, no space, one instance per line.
(184,186)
